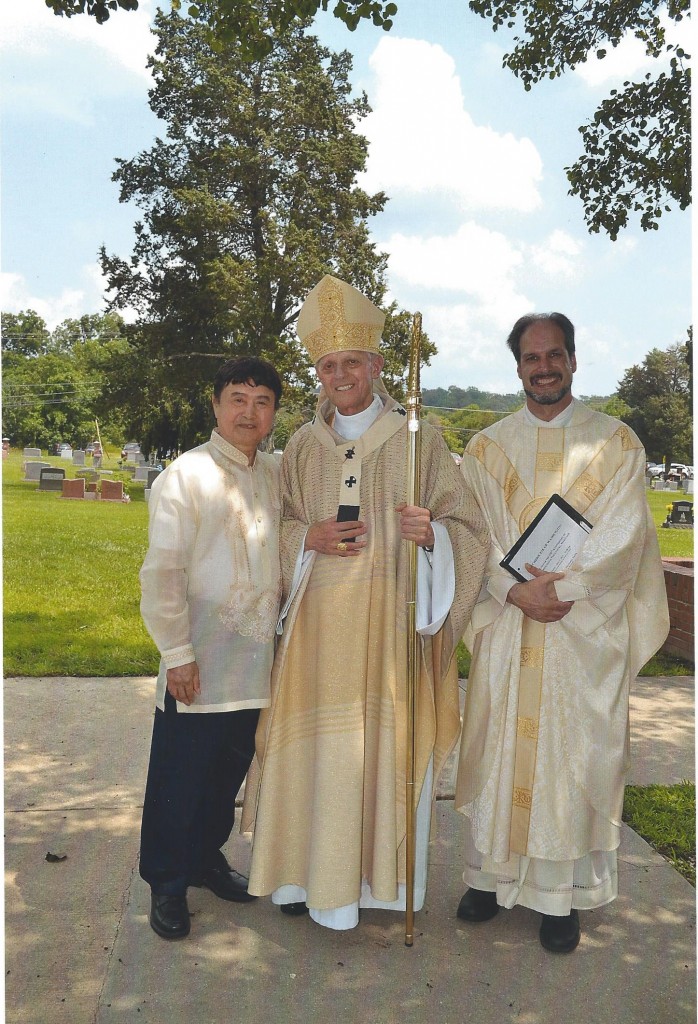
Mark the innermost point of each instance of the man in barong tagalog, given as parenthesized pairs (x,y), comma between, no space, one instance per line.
(326,793)
(211,585)
(544,750)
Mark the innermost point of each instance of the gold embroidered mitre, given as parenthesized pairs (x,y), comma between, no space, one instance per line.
(336,317)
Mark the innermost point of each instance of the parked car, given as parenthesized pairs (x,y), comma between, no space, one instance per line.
(131,448)
(59,446)
(677,471)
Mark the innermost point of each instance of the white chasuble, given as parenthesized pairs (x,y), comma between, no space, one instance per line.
(544,750)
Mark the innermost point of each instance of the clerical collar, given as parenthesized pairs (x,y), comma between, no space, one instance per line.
(352,427)
(561,420)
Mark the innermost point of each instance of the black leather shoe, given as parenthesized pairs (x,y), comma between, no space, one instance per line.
(226,884)
(477,905)
(294,909)
(560,934)
(169,916)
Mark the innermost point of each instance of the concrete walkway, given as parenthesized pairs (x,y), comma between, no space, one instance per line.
(79,949)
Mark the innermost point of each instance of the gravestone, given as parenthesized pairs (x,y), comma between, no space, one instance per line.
(681,512)
(78,458)
(112,490)
(67,454)
(32,470)
(51,479)
(74,488)
(153,474)
(31,453)
(141,474)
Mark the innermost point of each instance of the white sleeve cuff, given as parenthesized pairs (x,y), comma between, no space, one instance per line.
(436,582)
(178,656)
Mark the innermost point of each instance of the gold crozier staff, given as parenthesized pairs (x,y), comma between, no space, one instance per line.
(414,405)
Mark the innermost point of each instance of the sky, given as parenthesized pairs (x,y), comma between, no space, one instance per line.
(479,228)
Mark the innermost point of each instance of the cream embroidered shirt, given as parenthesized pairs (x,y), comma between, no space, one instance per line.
(211,580)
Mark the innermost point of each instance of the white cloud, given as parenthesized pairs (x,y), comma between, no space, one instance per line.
(474,260)
(88,297)
(422,138)
(125,40)
(558,256)
(630,58)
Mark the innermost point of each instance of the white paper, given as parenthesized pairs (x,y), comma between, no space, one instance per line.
(553,544)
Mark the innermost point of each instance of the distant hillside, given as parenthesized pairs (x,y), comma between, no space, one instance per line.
(459,398)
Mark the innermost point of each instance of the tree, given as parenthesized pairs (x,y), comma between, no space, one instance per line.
(247,202)
(658,394)
(248,24)
(23,334)
(637,146)
(54,391)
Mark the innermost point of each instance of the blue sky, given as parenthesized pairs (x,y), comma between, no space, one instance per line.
(479,228)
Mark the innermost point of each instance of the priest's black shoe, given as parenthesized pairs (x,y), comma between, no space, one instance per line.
(294,909)
(226,884)
(169,915)
(560,934)
(477,905)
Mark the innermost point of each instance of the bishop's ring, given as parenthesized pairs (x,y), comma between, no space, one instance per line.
(342,546)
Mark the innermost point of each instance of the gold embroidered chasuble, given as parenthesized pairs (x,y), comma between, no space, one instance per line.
(544,749)
(326,792)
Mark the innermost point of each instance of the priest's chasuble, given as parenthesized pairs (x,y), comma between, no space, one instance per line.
(326,792)
(544,749)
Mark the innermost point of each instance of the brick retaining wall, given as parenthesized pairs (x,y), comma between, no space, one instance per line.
(678,577)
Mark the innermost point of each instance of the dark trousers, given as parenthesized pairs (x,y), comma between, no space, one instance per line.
(197,765)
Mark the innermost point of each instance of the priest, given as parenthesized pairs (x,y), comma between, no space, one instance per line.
(544,749)
(326,793)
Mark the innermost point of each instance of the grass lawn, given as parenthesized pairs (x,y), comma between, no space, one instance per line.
(71,593)
(672,543)
(665,816)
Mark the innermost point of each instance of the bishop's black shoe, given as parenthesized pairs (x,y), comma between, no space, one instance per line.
(294,909)
(560,934)
(477,905)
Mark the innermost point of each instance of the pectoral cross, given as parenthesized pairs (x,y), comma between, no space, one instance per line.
(351,481)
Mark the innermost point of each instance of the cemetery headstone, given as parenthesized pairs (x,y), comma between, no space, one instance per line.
(67,454)
(32,470)
(112,490)
(153,474)
(141,474)
(51,479)
(74,488)
(78,458)
(31,453)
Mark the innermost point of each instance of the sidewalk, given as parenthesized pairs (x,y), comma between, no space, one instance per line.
(79,949)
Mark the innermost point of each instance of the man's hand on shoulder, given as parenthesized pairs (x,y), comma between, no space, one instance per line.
(183,682)
(537,598)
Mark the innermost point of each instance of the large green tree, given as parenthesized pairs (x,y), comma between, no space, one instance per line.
(636,158)
(658,394)
(249,199)
(55,384)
